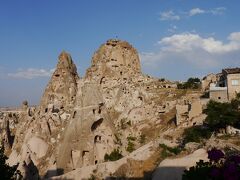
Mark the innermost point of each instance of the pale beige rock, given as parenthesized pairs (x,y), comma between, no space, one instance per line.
(38,146)
(172,169)
(115,58)
(80,120)
(61,89)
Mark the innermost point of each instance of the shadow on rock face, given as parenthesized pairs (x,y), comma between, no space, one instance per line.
(55,172)
(169,173)
(161,173)
(147,176)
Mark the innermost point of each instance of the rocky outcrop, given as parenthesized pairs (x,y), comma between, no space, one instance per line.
(80,120)
(173,169)
(62,88)
(90,133)
(113,169)
(115,59)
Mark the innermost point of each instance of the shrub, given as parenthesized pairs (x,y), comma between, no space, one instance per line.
(131,147)
(219,167)
(192,83)
(113,156)
(131,138)
(196,134)
(168,151)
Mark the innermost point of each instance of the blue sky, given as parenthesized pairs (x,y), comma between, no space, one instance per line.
(176,39)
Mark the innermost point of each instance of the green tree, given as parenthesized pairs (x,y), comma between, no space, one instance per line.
(220,115)
(192,83)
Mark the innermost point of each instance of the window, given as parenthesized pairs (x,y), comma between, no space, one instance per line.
(235,82)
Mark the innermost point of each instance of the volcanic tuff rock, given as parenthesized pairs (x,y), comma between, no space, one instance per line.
(62,88)
(115,58)
(80,120)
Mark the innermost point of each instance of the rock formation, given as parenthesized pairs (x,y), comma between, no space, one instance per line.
(62,88)
(113,107)
(115,58)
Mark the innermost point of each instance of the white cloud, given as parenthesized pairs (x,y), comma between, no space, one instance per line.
(218,10)
(169,15)
(31,73)
(196,11)
(234,37)
(189,42)
(193,51)
(214,11)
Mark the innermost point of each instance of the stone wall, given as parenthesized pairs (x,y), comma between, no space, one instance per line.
(233,89)
(220,96)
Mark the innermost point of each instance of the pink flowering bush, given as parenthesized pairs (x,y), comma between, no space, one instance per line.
(219,167)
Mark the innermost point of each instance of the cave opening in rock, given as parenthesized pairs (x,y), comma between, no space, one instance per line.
(96,124)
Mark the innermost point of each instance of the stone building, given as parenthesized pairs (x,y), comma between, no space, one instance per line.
(227,86)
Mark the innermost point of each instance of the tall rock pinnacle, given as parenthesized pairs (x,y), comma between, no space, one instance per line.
(115,58)
(61,89)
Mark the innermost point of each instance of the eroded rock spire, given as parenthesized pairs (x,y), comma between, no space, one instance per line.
(61,89)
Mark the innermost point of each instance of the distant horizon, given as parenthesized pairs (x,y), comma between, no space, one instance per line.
(175,39)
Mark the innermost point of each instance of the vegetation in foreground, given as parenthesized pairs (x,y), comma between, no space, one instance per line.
(219,167)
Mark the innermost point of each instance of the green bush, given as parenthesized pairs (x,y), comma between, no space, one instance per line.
(168,151)
(131,147)
(192,83)
(196,134)
(113,156)
(131,138)
(174,150)
(220,115)
(199,172)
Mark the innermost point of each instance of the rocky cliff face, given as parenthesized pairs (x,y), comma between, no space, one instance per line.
(80,120)
(62,88)
(115,58)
